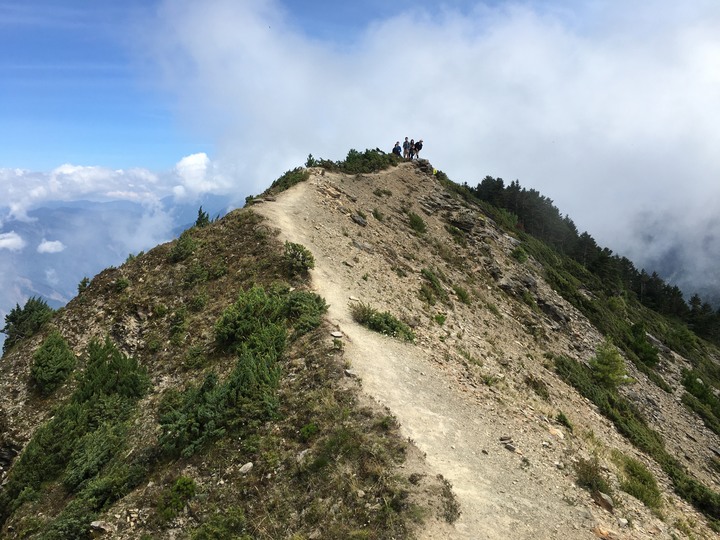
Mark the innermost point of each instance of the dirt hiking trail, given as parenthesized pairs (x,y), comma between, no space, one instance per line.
(498,498)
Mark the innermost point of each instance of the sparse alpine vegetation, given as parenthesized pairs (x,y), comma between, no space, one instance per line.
(383,322)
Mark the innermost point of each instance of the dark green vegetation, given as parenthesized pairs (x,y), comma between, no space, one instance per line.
(638,481)
(249,376)
(298,259)
(52,363)
(366,162)
(382,322)
(81,446)
(536,215)
(629,421)
(23,322)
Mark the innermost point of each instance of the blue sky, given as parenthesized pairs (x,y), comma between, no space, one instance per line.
(72,89)
(609,108)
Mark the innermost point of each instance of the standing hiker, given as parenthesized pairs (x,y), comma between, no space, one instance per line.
(396,149)
(418,147)
(412,148)
(406,148)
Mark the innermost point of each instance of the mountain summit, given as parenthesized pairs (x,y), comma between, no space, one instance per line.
(364,351)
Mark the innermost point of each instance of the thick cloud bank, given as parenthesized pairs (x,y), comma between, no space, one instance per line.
(609,108)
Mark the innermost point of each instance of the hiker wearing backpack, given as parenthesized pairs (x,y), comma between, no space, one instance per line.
(418,147)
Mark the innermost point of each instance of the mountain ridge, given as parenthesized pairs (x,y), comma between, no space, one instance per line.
(488,327)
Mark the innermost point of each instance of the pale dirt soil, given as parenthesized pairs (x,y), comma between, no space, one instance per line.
(443,401)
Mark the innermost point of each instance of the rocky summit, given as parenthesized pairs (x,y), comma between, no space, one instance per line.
(363,352)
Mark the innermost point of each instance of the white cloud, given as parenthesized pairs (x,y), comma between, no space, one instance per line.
(22,190)
(50,246)
(198,175)
(608,108)
(11,241)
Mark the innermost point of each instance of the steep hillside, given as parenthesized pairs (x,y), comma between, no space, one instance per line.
(246,399)
(207,399)
(481,371)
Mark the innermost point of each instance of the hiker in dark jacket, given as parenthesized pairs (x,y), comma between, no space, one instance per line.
(412,148)
(418,147)
(397,149)
(406,148)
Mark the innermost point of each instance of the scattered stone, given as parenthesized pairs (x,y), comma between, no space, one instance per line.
(623,523)
(603,500)
(351,265)
(510,447)
(505,438)
(301,455)
(350,373)
(246,468)
(354,299)
(98,528)
(602,533)
(359,220)
(336,334)
(364,247)
(360,493)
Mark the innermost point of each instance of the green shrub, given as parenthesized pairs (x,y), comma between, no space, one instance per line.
(80,438)
(369,161)
(91,453)
(638,481)
(519,255)
(304,311)
(203,218)
(308,431)
(110,373)
(640,345)
(608,365)
(52,363)
(200,416)
(436,288)
(172,500)
(194,274)
(462,294)
(121,284)
(298,259)
(23,322)
(563,420)
(183,247)
(252,310)
(591,477)
(254,327)
(288,180)
(178,326)
(384,322)
(417,223)
(230,523)
(84,283)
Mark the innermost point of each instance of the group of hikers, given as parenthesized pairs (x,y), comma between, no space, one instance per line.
(409,149)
